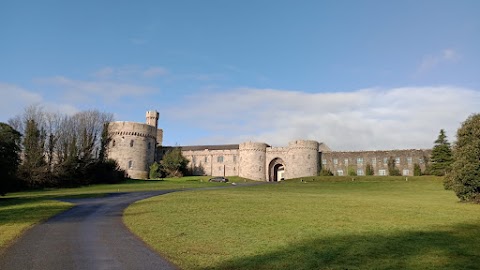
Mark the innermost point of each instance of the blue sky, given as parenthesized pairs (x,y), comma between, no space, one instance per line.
(357,75)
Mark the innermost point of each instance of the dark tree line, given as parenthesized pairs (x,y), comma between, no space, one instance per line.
(58,150)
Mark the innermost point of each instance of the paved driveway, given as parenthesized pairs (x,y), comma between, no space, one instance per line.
(91,235)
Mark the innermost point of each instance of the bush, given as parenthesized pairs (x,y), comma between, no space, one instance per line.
(325,172)
(369,170)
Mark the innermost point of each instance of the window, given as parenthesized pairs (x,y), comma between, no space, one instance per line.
(335,161)
(324,161)
(131,143)
(360,172)
(360,161)
(113,143)
(220,159)
(421,160)
(340,172)
(149,145)
(374,161)
(130,164)
(409,160)
(397,160)
(382,172)
(346,161)
(206,159)
(385,161)
(406,172)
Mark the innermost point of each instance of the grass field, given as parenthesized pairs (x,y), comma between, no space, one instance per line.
(334,223)
(20,211)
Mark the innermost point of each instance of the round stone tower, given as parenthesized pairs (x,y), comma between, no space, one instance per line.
(303,159)
(133,145)
(252,160)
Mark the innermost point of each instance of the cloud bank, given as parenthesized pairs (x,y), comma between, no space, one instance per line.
(366,119)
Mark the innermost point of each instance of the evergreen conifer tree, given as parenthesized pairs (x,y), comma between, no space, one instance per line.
(464,176)
(441,157)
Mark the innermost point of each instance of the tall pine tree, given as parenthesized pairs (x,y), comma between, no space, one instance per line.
(441,157)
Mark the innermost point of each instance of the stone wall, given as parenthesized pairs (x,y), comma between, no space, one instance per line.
(215,162)
(252,160)
(303,159)
(133,146)
(339,163)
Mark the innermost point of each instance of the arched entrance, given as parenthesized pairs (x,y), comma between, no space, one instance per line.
(276,168)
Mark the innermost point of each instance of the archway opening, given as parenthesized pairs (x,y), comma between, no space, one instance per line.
(276,170)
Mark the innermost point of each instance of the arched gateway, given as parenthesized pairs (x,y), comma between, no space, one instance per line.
(276,168)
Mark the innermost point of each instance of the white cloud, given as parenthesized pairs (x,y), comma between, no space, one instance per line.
(366,119)
(15,99)
(155,72)
(130,71)
(431,61)
(78,90)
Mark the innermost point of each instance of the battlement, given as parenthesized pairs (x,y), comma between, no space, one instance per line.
(304,144)
(253,146)
(132,129)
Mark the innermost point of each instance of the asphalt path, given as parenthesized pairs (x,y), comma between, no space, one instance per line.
(91,235)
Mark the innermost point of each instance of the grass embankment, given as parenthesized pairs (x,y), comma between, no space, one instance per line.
(19,211)
(369,223)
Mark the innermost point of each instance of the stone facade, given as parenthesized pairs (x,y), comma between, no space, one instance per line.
(133,145)
(136,146)
(340,163)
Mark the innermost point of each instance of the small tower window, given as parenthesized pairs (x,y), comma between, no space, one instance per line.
(113,143)
(130,164)
(131,143)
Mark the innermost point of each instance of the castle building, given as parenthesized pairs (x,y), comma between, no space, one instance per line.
(136,146)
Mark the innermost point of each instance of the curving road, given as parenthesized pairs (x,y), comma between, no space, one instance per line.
(91,235)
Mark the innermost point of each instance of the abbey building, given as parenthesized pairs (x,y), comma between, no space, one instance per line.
(136,146)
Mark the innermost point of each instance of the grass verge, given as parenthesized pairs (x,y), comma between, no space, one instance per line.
(19,211)
(364,223)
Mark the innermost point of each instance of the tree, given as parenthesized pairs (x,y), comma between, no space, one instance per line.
(33,167)
(369,170)
(417,170)
(9,156)
(155,171)
(464,176)
(174,163)
(392,169)
(441,157)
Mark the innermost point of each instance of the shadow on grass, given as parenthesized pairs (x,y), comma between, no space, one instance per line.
(452,248)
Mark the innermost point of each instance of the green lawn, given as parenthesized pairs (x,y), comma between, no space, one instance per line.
(19,211)
(334,223)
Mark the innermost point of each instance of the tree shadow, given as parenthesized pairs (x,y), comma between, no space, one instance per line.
(446,248)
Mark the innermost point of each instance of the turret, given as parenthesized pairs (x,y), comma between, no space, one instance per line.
(252,160)
(152,118)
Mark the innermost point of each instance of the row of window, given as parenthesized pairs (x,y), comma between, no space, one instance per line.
(360,161)
(220,159)
(149,145)
(361,172)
